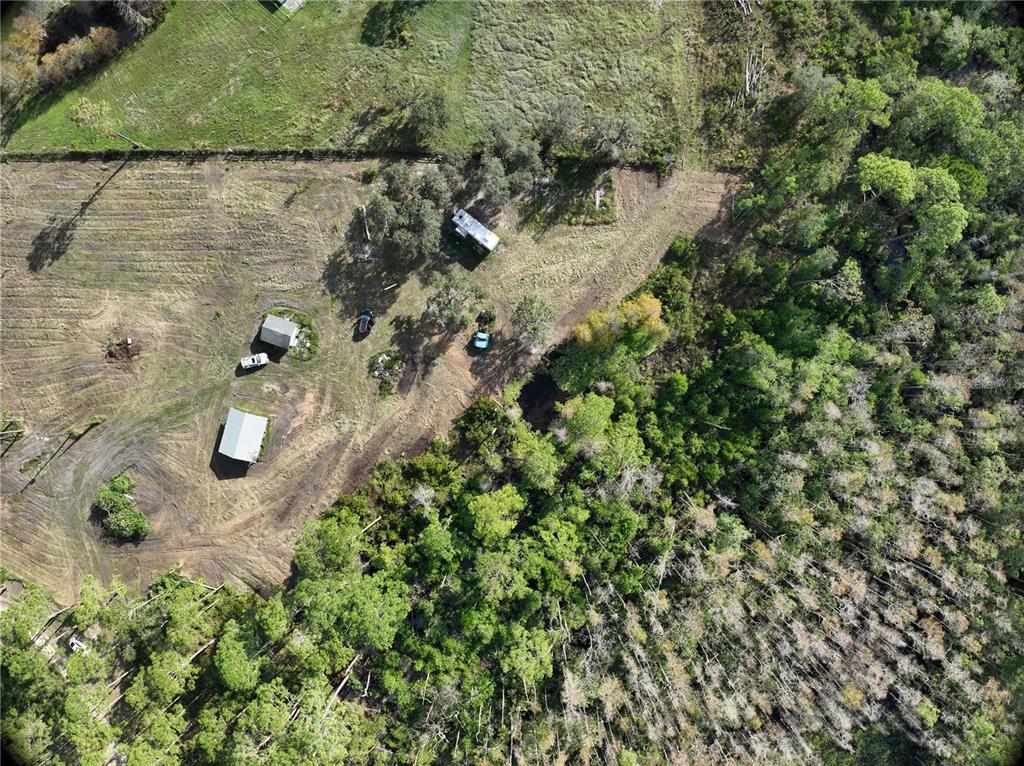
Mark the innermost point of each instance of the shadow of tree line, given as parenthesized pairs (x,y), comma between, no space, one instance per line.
(54,240)
(385,22)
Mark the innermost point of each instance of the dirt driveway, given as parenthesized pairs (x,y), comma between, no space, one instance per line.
(185,259)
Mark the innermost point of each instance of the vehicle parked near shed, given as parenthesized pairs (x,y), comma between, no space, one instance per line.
(256,360)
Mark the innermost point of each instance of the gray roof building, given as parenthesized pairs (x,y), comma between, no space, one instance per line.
(278,331)
(243,436)
(467,226)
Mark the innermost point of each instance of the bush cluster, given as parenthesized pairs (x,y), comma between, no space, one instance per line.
(121,519)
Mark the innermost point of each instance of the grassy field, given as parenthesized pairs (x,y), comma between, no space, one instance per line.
(235,74)
(186,259)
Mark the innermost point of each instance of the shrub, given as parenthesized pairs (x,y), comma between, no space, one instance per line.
(448,308)
(126,524)
(121,519)
(532,320)
(76,54)
(492,182)
(95,114)
(426,115)
(121,483)
(19,75)
(387,367)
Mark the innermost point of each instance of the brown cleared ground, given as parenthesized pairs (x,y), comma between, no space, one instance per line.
(185,258)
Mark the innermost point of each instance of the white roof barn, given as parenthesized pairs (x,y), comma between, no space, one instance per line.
(243,436)
(278,331)
(467,226)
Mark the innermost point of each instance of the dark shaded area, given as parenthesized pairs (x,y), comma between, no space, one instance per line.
(270,6)
(385,22)
(373,127)
(538,398)
(257,346)
(549,204)
(399,132)
(494,366)
(359,283)
(458,249)
(402,126)
(54,241)
(241,372)
(224,467)
(419,347)
(76,19)
(8,10)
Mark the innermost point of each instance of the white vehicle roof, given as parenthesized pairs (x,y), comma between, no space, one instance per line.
(467,225)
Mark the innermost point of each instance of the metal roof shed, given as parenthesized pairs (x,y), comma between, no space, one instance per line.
(467,226)
(278,331)
(243,436)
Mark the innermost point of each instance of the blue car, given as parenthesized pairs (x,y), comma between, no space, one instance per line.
(481,340)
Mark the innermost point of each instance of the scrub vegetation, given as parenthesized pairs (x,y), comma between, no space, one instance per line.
(120,518)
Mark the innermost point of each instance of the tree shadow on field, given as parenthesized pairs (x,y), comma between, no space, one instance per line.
(224,467)
(458,250)
(385,22)
(552,203)
(54,241)
(496,365)
(419,346)
(359,275)
(357,283)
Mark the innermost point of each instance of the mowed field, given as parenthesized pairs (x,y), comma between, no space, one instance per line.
(185,259)
(241,74)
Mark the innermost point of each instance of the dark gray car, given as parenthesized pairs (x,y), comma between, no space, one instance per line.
(365,322)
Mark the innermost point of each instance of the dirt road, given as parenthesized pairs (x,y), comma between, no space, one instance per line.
(185,259)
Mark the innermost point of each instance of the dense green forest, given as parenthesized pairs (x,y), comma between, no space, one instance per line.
(776,516)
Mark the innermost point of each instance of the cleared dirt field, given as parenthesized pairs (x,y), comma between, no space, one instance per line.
(185,259)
